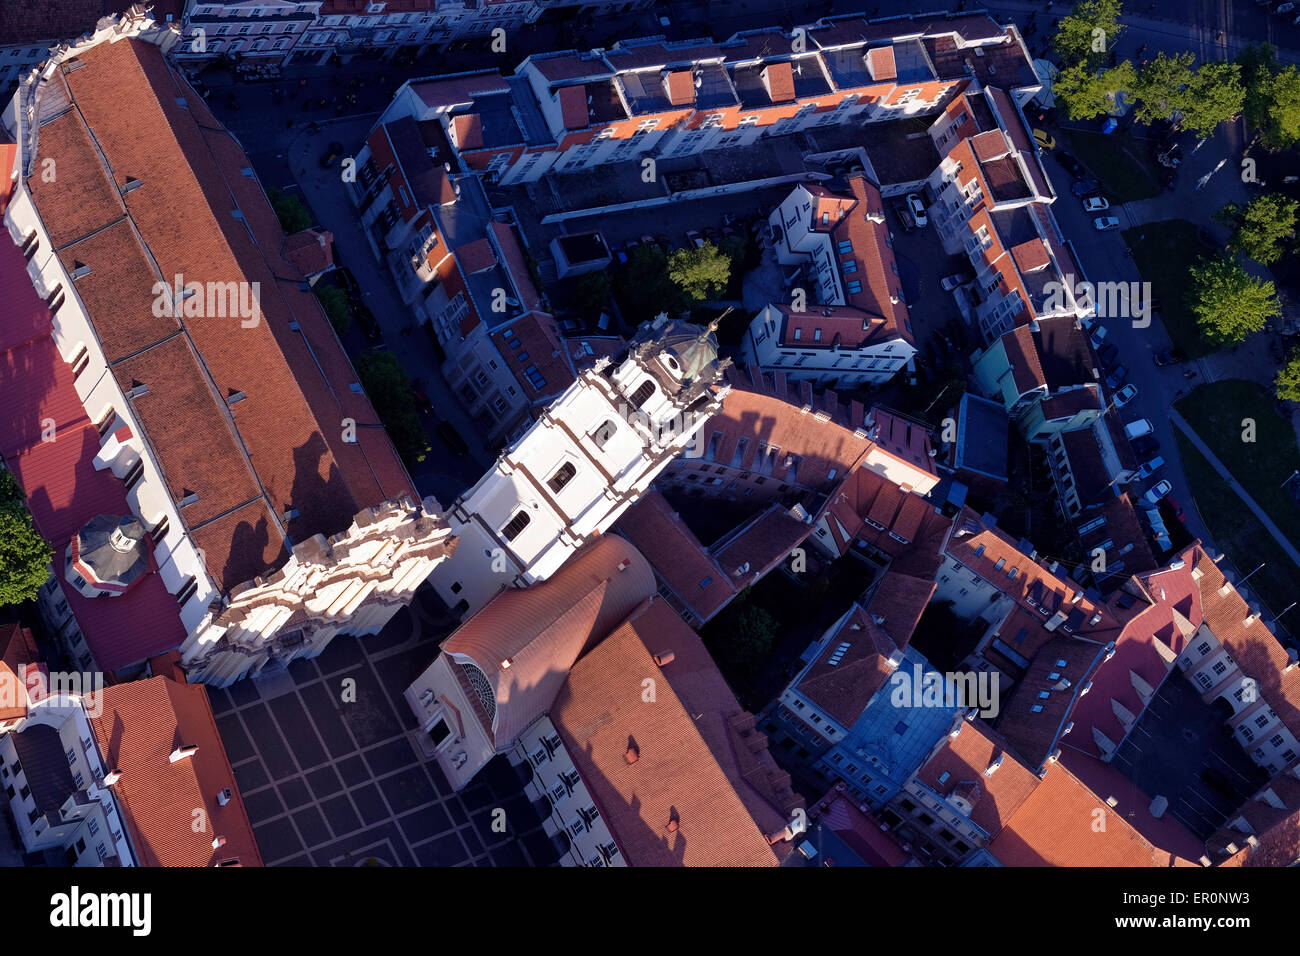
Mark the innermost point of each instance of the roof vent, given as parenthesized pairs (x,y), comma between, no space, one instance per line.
(112,777)
(183,751)
(632,755)
(664,658)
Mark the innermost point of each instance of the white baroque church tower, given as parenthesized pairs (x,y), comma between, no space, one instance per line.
(592,453)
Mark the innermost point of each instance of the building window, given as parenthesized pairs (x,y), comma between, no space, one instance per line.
(515,526)
(563,475)
(604,433)
(643,394)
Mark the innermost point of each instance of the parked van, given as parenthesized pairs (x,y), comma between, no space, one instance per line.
(1137,429)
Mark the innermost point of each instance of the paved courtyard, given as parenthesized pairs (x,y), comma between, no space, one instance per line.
(326,759)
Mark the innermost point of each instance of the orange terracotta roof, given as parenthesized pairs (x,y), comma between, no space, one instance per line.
(880,61)
(1057,826)
(17,650)
(573,107)
(681,87)
(311,251)
(780,81)
(966,758)
(675,805)
(525,639)
(142,723)
(843,689)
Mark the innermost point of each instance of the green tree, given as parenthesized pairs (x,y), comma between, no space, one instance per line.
(291,212)
(743,636)
(1272,99)
(1161,87)
(335,303)
(1088,31)
(643,287)
(591,293)
(1085,94)
(700,273)
(24,554)
(1264,228)
(1228,302)
(1287,383)
(389,389)
(1216,95)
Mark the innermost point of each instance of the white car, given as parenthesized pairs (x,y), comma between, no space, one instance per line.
(1105,223)
(917,209)
(1125,395)
(1137,429)
(948,283)
(1158,491)
(1096,204)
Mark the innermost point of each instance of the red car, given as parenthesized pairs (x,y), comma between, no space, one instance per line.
(422,401)
(1177,509)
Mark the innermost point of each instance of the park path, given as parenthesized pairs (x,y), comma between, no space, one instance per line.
(1181,424)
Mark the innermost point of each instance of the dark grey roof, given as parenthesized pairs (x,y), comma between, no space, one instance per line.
(982,429)
(45,765)
(113,548)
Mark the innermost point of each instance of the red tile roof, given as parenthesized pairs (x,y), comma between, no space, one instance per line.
(526,639)
(573,107)
(296,383)
(1057,826)
(964,759)
(17,650)
(843,689)
(142,723)
(779,79)
(860,831)
(880,61)
(311,251)
(467,130)
(1031,255)
(681,87)
(540,340)
(675,805)
(677,555)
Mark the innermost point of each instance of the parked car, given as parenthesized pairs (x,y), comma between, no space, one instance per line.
(620,254)
(1172,504)
(366,319)
(1105,223)
(1146,445)
(1147,469)
(1069,164)
(1116,378)
(693,238)
(1095,203)
(451,438)
(1169,357)
(948,283)
(917,209)
(1044,139)
(1084,187)
(1098,335)
(331,155)
(1125,395)
(1108,354)
(1157,492)
(1137,429)
(421,400)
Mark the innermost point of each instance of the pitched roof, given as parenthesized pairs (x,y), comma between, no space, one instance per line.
(281,445)
(526,639)
(311,251)
(17,650)
(141,725)
(1057,826)
(843,679)
(675,805)
(966,758)
(677,555)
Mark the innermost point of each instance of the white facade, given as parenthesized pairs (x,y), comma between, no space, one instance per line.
(88,824)
(592,453)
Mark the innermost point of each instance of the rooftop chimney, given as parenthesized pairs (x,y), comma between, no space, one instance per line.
(632,755)
(218,842)
(664,658)
(112,777)
(181,752)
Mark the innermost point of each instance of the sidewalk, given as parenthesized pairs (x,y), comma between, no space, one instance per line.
(1181,424)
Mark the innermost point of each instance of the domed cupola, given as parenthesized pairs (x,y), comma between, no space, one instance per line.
(107,556)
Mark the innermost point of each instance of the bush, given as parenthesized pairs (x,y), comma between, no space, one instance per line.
(291,212)
(24,554)
(335,304)
(389,389)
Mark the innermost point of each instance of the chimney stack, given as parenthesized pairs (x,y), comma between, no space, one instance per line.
(664,658)
(181,752)
(112,777)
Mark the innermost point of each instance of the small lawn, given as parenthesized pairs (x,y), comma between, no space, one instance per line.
(1215,412)
(1118,162)
(1243,539)
(1163,251)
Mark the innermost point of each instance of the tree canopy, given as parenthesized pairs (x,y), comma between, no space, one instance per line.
(1287,383)
(1085,93)
(24,554)
(1264,228)
(389,389)
(1272,97)
(700,273)
(1228,302)
(1088,32)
